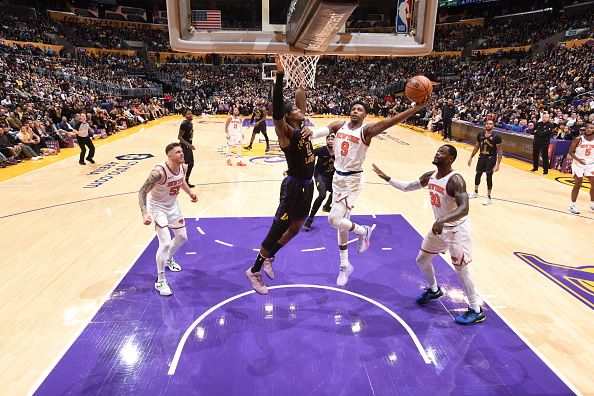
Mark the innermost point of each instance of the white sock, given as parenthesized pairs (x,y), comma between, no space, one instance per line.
(160,276)
(572,203)
(344,258)
(359,229)
(468,285)
(426,267)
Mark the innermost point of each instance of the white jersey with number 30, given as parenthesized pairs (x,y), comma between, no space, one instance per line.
(350,149)
(164,194)
(441,202)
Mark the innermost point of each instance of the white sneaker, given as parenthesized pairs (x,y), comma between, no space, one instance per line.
(573,209)
(487,201)
(343,275)
(163,288)
(473,195)
(267,267)
(255,279)
(173,265)
(364,240)
(35,158)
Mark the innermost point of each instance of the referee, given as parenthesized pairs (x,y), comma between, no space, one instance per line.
(186,133)
(488,142)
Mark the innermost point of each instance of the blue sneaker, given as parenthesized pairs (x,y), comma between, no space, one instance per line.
(429,295)
(470,317)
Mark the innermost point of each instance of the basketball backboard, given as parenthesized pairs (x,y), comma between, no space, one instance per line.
(412,36)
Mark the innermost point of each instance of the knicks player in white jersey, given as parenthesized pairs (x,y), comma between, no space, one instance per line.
(234,132)
(582,152)
(451,230)
(350,148)
(158,201)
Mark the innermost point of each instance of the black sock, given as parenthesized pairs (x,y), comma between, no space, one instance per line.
(258,264)
(277,246)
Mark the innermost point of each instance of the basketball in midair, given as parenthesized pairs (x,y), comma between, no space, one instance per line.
(418,88)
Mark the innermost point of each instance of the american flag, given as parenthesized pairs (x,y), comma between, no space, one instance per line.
(206,19)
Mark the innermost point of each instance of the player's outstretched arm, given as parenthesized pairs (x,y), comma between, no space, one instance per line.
(403,186)
(154,178)
(327,130)
(278,117)
(376,128)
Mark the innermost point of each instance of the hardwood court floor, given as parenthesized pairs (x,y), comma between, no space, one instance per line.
(70,233)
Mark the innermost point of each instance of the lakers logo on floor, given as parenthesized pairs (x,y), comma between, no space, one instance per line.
(568,180)
(578,281)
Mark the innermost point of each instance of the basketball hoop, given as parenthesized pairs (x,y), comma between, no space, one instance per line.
(300,70)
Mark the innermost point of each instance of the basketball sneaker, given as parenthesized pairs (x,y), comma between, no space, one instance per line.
(267,149)
(248,148)
(364,240)
(173,265)
(573,209)
(163,288)
(487,201)
(470,317)
(307,224)
(267,267)
(239,163)
(473,195)
(229,162)
(343,275)
(429,295)
(255,279)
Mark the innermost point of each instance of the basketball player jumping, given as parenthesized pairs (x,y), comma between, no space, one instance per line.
(259,115)
(297,187)
(488,144)
(234,133)
(582,152)
(158,202)
(451,230)
(350,148)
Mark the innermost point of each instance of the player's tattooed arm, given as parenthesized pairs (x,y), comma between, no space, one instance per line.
(151,181)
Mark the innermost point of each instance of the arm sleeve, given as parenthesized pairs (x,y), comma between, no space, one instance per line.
(404,186)
(277,97)
(321,132)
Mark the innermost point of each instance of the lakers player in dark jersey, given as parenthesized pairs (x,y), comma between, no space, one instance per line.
(259,115)
(323,174)
(488,145)
(297,187)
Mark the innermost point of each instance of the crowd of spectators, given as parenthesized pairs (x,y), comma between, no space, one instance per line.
(26,29)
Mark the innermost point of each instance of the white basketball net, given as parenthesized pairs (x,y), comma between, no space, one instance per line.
(300,70)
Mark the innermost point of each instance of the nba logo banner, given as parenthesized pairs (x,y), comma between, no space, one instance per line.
(403,16)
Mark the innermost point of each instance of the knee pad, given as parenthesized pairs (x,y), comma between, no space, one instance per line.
(277,229)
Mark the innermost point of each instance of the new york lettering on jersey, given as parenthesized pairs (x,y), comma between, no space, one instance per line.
(350,149)
(441,202)
(165,193)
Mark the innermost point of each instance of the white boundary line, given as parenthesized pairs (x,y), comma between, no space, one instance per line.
(223,243)
(313,249)
(201,231)
(512,327)
(182,342)
(99,306)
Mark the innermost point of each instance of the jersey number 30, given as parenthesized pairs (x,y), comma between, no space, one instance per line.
(435,201)
(344,148)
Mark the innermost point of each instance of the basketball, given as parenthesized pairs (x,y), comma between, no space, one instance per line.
(418,88)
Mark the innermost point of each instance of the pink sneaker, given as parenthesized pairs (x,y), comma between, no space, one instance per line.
(241,164)
(256,280)
(267,267)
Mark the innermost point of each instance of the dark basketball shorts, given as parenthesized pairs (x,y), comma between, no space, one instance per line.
(188,154)
(295,199)
(323,181)
(486,164)
(260,128)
